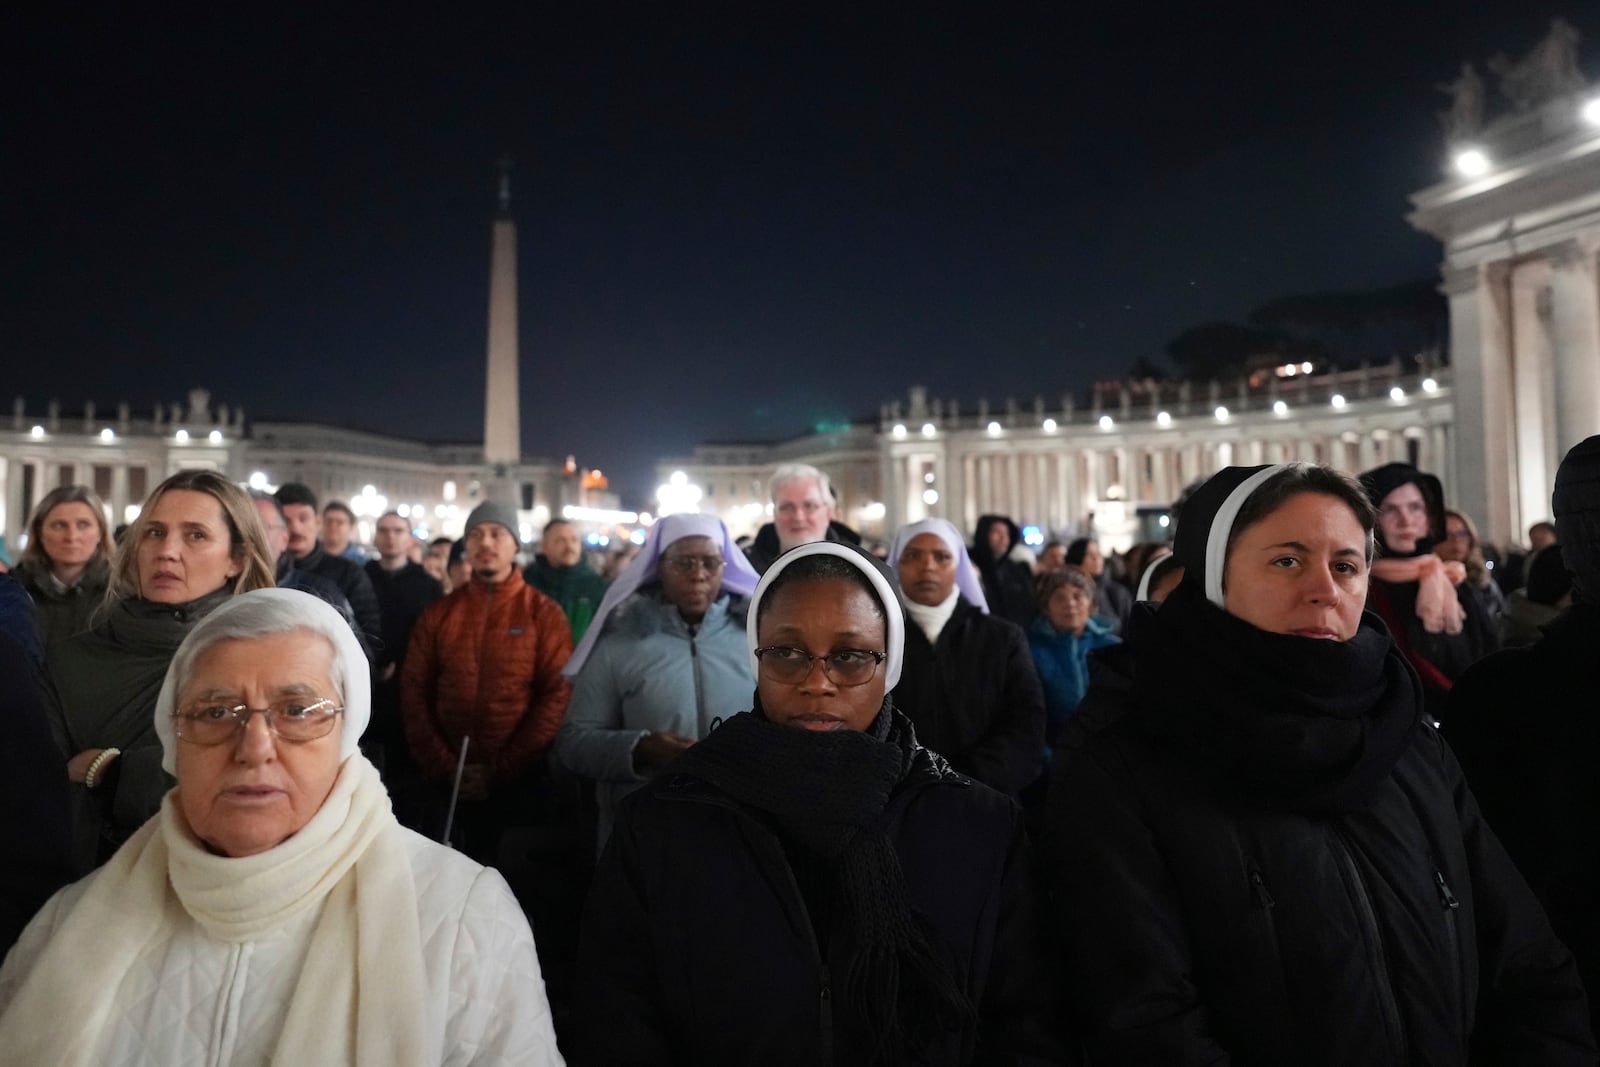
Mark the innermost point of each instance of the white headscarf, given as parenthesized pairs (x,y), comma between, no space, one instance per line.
(966,577)
(737,574)
(349,864)
(895,644)
(257,614)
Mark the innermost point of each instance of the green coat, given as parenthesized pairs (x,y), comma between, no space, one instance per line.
(101,693)
(578,589)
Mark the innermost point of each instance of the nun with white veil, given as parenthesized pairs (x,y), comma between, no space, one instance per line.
(274,911)
(663,661)
(808,884)
(969,684)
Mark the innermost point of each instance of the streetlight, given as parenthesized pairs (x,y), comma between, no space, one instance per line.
(1471,162)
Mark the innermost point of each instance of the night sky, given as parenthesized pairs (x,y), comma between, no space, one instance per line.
(732,226)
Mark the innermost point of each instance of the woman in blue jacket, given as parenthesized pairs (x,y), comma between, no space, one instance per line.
(1061,639)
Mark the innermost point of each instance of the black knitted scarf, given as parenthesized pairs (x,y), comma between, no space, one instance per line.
(828,793)
(1292,723)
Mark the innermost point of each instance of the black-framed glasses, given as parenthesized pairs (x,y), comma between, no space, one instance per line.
(293,720)
(846,667)
(688,566)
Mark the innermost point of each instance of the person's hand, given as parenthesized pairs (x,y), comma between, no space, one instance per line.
(655,751)
(78,765)
(475,782)
(1455,571)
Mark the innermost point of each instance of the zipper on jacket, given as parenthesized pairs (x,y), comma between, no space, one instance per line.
(1452,937)
(1380,962)
(699,688)
(826,998)
(1258,885)
(1447,898)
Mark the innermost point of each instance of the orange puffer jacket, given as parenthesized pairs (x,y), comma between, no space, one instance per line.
(485,662)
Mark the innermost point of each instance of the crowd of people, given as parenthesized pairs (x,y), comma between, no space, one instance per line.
(1265,794)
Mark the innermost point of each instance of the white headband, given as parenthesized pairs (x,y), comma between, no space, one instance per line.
(893,616)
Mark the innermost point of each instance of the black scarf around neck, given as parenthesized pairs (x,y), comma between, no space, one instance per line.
(829,792)
(1286,722)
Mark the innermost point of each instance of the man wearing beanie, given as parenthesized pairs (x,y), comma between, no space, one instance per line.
(484,670)
(1525,727)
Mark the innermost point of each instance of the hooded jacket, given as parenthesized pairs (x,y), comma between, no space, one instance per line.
(1259,854)
(1007,582)
(1439,658)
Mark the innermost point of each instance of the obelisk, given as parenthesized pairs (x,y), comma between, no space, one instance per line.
(502,431)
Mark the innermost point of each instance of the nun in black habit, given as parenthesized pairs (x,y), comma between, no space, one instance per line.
(1259,851)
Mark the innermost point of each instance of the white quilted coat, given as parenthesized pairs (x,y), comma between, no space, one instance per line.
(191,1001)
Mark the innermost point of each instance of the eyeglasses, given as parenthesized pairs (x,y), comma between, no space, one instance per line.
(689,566)
(846,667)
(291,720)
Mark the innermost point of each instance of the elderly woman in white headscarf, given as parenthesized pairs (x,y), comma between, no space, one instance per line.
(662,661)
(969,684)
(275,911)
(808,884)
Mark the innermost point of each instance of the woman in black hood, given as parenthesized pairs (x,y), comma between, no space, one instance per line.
(1439,625)
(1259,853)
(1007,580)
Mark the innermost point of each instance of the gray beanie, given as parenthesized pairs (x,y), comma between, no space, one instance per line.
(492,511)
(1576,505)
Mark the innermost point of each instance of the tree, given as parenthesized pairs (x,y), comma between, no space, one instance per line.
(1371,325)
(1222,349)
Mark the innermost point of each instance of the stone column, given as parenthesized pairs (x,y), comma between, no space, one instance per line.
(1366,452)
(968,517)
(1067,481)
(1161,462)
(1575,330)
(119,492)
(1533,382)
(1481,388)
(1439,458)
(1042,504)
(1013,503)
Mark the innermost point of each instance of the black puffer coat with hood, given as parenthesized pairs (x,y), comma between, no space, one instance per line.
(1260,854)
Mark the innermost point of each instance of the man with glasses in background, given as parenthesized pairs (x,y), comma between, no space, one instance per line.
(803,507)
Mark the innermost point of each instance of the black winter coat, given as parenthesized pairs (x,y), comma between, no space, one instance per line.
(353,582)
(975,698)
(1526,725)
(402,595)
(697,947)
(1203,928)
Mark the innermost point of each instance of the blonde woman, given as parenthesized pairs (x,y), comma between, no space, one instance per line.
(197,542)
